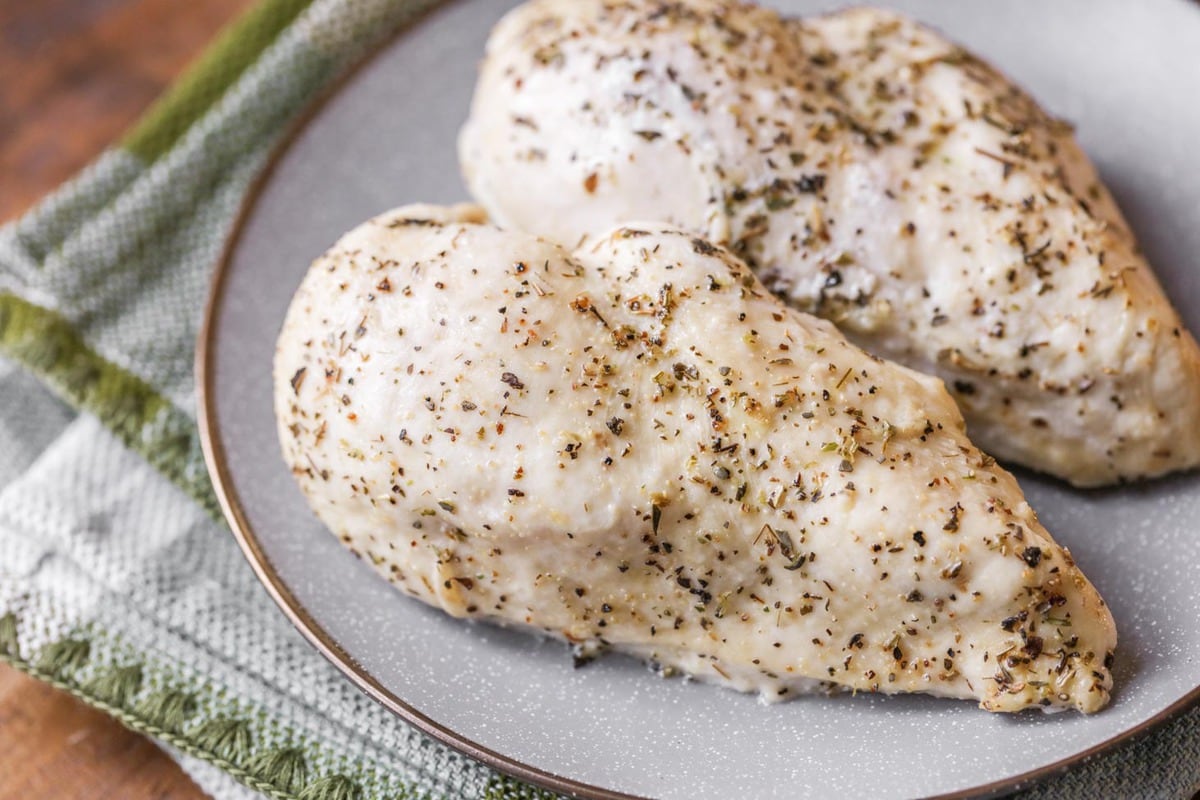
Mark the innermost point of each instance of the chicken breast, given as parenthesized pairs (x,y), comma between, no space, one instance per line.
(872,173)
(637,446)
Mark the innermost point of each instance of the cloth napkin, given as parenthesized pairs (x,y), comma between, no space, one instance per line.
(119,583)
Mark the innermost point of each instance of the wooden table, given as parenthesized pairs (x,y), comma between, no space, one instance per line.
(73,75)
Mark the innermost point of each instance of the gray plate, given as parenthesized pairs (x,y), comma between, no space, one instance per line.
(1127,73)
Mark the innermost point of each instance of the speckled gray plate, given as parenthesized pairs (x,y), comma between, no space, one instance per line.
(1127,73)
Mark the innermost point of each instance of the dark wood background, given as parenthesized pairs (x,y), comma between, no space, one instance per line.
(73,75)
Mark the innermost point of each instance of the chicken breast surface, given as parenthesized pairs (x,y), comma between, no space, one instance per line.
(872,173)
(637,446)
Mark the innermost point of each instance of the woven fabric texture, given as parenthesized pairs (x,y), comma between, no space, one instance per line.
(118,581)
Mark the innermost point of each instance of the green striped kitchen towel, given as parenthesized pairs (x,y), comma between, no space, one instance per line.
(118,581)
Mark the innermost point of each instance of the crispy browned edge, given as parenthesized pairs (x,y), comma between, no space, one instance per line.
(327,646)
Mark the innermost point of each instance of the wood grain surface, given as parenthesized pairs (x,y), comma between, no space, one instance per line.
(73,75)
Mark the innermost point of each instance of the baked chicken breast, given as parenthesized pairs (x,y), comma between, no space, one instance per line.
(871,172)
(637,446)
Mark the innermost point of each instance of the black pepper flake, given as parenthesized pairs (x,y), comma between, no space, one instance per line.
(655,518)
(512,380)
(1032,556)
(1010,623)
(298,379)
(685,371)
(810,184)
(1033,646)
(952,524)
(919,537)
(615,424)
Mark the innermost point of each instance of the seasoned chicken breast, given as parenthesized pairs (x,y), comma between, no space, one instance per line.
(637,446)
(872,173)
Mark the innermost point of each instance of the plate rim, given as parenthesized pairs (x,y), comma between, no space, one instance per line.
(213,449)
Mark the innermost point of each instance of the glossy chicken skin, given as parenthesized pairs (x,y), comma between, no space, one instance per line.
(872,173)
(637,446)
